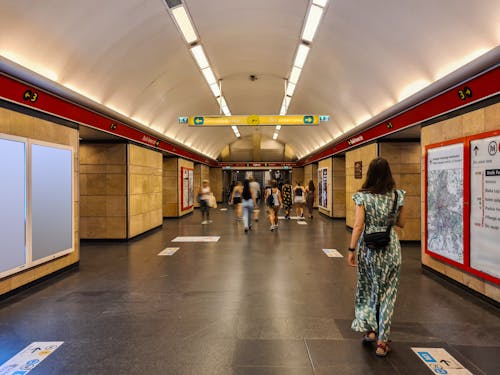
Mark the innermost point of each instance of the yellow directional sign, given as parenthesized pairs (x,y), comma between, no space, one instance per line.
(253,120)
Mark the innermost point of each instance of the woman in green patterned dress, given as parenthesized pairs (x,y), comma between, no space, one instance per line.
(378,270)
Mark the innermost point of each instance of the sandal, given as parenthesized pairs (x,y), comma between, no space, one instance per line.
(370,336)
(382,349)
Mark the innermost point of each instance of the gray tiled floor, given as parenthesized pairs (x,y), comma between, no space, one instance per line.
(257,303)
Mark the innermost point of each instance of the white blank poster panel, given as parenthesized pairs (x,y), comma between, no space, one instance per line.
(12,204)
(52,201)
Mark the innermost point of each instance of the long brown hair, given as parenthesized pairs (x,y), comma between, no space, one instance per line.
(379,178)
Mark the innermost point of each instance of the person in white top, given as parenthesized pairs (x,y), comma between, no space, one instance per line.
(274,202)
(236,200)
(255,188)
(299,200)
(204,196)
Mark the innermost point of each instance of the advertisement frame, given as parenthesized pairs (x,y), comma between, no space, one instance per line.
(474,271)
(322,187)
(466,267)
(187,187)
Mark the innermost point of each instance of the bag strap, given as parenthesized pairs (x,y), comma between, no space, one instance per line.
(393,211)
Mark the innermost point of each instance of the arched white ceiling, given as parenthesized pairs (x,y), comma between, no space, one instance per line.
(128,55)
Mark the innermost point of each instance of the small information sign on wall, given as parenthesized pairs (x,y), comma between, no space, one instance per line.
(358,169)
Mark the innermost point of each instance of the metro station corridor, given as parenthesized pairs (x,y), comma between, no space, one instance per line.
(258,303)
(123,121)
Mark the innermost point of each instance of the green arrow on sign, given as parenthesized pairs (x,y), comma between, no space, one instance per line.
(199,120)
(308,119)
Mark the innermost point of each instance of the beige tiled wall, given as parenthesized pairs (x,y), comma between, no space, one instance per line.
(145,189)
(364,154)
(311,173)
(171,196)
(216,183)
(201,172)
(14,123)
(338,176)
(404,159)
(476,122)
(103,191)
(297,175)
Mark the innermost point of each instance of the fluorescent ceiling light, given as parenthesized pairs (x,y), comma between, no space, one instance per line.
(294,75)
(290,88)
(200,57)
(301,56)
(284,105)
(278,127)
(215,89)
(321,3)
(185,25)
(209,76)
(312,23)
(221,101)
(235,128)
(223,105)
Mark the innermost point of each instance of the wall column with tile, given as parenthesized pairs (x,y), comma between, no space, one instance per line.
(404,160)
(475,122)
(311,173)
(145,190)
(216,183)
(170,193)
(338,186)
(297,175)
(364,155)
(17,124)
(201,172)
(103,191)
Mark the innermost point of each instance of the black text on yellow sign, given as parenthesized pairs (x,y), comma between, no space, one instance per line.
(254,120)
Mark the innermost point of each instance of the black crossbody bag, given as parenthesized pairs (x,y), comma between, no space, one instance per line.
(379,240)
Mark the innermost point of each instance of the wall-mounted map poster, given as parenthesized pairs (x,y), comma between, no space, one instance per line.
(485,205)
(323,188)
(445,197)
(187,188)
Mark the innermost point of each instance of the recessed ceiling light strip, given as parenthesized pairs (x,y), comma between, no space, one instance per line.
(311,24)
(182,19)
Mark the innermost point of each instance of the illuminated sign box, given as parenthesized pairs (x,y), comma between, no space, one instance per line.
(252,120)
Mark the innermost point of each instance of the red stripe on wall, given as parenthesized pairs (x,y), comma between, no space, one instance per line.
(473,90)
(21,93)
